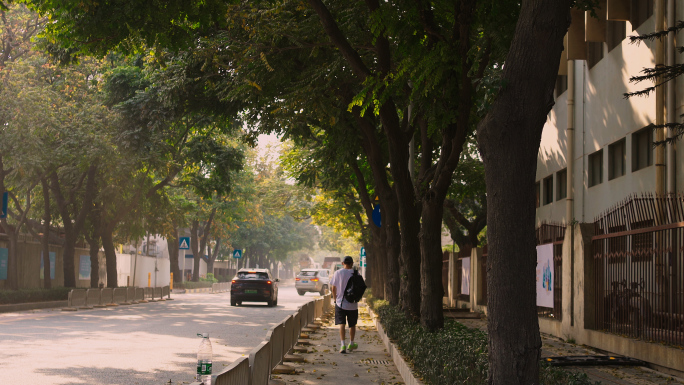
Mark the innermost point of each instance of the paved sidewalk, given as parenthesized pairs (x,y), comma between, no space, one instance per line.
(369,364)
(607,375)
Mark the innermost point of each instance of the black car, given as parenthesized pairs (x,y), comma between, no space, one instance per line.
(254,285)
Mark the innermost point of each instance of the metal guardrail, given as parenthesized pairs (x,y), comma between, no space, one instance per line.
(237,373)
(90,298)
(277,337)
(260,363)
(256,369)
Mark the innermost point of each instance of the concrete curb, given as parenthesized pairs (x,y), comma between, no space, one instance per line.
(32,306)
(404,369)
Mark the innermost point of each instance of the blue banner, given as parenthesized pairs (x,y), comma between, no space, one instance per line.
(4,258)
(3,205)
(84,267)
(52,265)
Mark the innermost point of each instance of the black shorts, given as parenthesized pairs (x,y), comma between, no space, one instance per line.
(351,316)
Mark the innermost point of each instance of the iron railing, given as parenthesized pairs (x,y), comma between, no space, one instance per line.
(638,254)
(553,233)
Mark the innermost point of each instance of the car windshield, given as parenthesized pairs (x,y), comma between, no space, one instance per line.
(252,275)
(308,273)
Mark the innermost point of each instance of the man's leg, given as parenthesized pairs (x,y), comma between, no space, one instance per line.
(352,317)
(340,319)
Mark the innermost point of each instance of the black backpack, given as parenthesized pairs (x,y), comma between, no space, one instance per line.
(356,286)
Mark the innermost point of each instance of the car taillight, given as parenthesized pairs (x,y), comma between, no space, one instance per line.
(298,279)
(233,281)
(314,280)
(268,282)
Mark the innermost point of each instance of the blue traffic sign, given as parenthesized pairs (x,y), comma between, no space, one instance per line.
(3,213)
(237,253)
(363,252)
(377,218)
(184,243)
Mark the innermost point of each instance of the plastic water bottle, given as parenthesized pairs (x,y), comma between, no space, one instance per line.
(204,360)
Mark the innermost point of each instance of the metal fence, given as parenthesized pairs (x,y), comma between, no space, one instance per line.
(553,233)
(638,254)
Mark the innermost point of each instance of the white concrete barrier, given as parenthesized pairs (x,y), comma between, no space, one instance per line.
(119,295)
(215,288)
(260,364)
(77,298)
(235,374)
(277,337)
(130,295)
(108,297)
(94,297)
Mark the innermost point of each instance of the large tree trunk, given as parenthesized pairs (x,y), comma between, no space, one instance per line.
(174,252)
(431,315)
(390,222)
(377,262)
(110,257)
(73,227)
(94,264)
(194,245)
(12,263)
(508,139)
(45,240)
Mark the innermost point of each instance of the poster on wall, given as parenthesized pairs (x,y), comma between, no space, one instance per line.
(52,265)
(545,275)
(465,276)
(4,257)
(84,267)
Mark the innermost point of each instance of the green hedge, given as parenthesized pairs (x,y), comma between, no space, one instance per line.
(192,285)
(456,354)
(34,295)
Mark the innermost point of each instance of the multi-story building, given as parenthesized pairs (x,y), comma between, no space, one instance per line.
(602,187)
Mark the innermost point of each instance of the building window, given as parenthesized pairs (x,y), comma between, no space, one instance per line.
(561,84)
(548,189)
(594,53)
(616,159)
(596,168)
(537,186)
(642,149)
(616,32)
(561,184)
(641,10)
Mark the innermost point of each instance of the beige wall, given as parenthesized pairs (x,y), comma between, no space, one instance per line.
(29,254)
(602,116)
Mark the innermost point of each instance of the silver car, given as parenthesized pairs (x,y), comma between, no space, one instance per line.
(312,280)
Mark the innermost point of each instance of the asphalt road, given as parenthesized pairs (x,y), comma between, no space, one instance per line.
(139,344)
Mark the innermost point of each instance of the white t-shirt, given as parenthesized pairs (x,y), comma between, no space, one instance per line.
(339,280)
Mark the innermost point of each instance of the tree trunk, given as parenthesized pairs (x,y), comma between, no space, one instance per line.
(110,257)
(94,264)
(174,252)
(431,315)
(409,267)
(377,262)
(12,263)
(194,245)
(390,223)
(68,260)
(508,139)
(45,240)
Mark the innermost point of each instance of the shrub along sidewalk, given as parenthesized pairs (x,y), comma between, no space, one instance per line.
(10,297)
(455,354)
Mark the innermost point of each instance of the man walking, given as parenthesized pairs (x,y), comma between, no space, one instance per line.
(345,312)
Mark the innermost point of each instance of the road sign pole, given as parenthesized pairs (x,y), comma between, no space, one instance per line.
(183,273)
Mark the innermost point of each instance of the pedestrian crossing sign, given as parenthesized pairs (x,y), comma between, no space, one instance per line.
(237,253)
(184,243)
